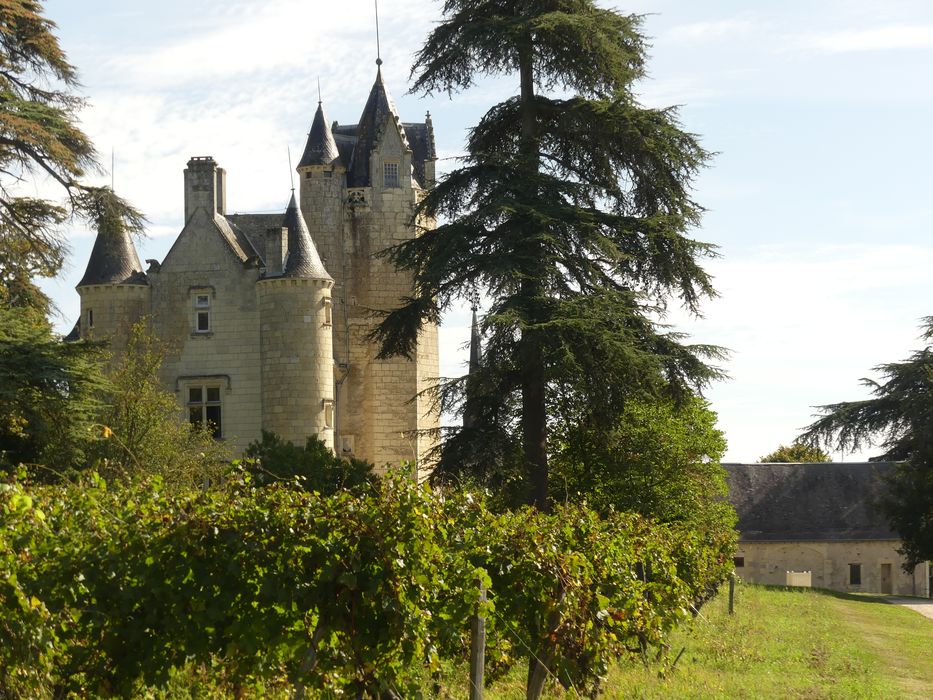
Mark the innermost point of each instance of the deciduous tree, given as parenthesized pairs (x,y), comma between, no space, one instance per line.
(796,452)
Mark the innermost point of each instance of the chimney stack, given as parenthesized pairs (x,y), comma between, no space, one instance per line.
(276,250)
(201,185)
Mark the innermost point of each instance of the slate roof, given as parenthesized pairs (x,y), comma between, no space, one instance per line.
(321,149)
(253,227)
(303,260)
(421,140)
(113,260)
(815,502)
(355,142)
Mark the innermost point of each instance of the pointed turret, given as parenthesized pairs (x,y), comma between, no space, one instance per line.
(303,260)
(379,110)
(113,258)
(469,409)
(321,148)
(114,290)
(475,341)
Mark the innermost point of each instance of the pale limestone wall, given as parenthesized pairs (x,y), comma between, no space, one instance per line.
(828,562)
(116,307)
(297,358)
(229,355)
(377,409)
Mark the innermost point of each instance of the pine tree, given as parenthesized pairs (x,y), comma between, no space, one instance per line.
(39,139)
(50,392)
(900,419)
(571,214)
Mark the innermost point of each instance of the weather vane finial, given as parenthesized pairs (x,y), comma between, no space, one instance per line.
(291,172)
(378,49)
(319,89)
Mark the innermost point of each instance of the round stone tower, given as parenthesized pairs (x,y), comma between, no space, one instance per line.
(296,345)
(114,291)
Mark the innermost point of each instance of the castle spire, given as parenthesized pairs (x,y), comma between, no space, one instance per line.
(379,110)
(113,259)
(321,148)
(469,408)
(303,260)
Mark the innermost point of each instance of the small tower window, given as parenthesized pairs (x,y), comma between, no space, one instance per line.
(90,318)
(328,313)
(389,175)
(328,413)
(202,308)
(204,409)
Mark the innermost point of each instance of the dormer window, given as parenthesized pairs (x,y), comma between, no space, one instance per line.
(202,313)
(390,175)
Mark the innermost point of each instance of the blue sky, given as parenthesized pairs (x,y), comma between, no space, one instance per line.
(818,198)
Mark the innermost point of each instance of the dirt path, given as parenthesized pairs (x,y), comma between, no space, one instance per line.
(924,606)
(887,646)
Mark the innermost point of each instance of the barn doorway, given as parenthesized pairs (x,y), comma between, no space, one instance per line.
(886,578)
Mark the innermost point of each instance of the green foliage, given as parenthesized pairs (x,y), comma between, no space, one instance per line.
(572,215)
(900,419)
(358,593)
(796,452)
(38,115)
(661,460)
(50,395)
(315,466)
(143,430)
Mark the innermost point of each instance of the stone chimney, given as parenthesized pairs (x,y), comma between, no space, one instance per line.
(276,250)
(201,180)
(221,176)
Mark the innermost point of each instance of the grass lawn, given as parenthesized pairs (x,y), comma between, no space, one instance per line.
(783,643)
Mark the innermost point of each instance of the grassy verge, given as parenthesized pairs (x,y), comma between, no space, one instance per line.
(782,643)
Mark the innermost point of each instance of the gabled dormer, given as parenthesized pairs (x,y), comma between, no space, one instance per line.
(382,155)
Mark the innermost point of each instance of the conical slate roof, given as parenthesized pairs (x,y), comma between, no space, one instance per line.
(378,110)
(113,259)
(321,148)
(475,341)
(303,260)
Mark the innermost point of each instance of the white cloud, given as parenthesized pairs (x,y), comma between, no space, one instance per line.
(804,324)
(715,30)
(893,37)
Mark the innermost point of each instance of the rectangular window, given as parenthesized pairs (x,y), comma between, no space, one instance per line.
(855,574)
(328,313)
(204,408)
(328,413)
(738,562)
(90,318)
(389,175)
(202,313)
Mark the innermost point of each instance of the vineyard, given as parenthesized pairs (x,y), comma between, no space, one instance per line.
(107,589)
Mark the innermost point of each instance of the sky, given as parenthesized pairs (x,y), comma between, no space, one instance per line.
(818,197)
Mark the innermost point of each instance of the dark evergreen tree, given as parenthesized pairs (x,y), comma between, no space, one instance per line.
(39,138)
(50,391)
(571,214)
(900,420)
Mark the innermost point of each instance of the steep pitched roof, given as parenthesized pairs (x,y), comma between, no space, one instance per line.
(421,139)
(379,112)
(303,260)
(794,502)
(321,149)
(113,259)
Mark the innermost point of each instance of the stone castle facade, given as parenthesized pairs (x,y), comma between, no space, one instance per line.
(267,315)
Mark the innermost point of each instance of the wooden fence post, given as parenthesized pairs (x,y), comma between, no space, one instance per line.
(478,647)
(732,594)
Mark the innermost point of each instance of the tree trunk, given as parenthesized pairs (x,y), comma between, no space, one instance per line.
(534,416)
